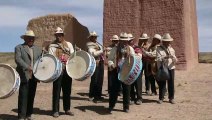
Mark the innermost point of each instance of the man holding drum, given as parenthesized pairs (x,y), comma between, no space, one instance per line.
(25,56)
(96,50)
(115,61)
(61,49)
(136,87)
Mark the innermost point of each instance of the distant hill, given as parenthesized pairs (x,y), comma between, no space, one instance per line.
(204,57)
(7,58)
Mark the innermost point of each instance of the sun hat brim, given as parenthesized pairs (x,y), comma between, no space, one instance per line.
(93,36)
(141,38)
(170,39)
(23,36)
(114,39)
(124,39)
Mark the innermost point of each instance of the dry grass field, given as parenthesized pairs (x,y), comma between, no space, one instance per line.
(7,58)
(193,95)
(205,57)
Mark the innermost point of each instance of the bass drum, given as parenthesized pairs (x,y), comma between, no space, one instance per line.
(47,68)
(81,65)
(130,69)
(9,81)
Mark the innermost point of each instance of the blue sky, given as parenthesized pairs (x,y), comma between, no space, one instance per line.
(15,14)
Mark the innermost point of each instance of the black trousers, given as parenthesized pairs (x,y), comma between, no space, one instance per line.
(152,80)
(136,89)
(96,83)
(109,85)
(144,71)
(64,82)
(113,96)
(162,86)
(26,97)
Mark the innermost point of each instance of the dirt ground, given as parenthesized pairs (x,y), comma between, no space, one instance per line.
(193,95)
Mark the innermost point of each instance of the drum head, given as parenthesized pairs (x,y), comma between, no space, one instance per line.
(77,66)
(126,68)
(45,67)
(7,79)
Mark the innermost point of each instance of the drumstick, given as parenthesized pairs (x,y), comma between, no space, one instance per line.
(129,60)
(75,47)
(42,54)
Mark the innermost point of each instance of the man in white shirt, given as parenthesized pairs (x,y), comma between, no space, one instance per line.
(61,49)
(96,50)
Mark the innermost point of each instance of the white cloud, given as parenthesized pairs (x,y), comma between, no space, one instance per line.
(15,16)
(15,13)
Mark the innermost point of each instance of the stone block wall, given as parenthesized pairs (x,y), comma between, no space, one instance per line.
(177,17)
(44,28)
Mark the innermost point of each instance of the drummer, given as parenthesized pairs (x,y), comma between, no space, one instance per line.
(115,59)
(114,40)
(136,87)
(26,55)
(96,50)
(61,49)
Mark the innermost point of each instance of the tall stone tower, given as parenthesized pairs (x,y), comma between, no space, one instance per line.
(177,17)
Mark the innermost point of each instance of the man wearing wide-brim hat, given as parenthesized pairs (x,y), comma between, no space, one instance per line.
(115,59)
(144,45)
(151,63)
(136,87)
(166,54)
(62,50)
(26,55)
(97,51)
(114,40)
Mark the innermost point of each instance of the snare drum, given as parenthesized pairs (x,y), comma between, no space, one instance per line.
(9,81)
(47,68)
(130,69)
(81,65)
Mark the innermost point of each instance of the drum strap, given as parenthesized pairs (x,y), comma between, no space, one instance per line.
(64,47)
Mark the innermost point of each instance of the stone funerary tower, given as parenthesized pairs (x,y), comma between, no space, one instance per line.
(177,17)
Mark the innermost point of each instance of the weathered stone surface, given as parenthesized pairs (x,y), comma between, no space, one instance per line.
(44,27)
(177,17)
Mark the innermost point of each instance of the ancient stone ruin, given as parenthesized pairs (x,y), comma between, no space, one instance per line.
(44,27)
(177,17)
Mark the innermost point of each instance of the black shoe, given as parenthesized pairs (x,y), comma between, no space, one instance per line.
(120,94)
(138,102)
(29,118)
(154,93)
(148,92)
(56,114)
(21,119)
(126,110)
(110,110)
(100,98)
(172,101)
(90,99)
(160,101)
(131,102)
(68,112)
(95,100)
